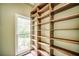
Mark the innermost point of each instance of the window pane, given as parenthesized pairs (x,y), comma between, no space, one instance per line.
(23,34)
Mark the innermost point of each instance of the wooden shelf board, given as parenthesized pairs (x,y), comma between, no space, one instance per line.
(44,23)
(33,35)
(45,8)
(42,17)
(63,7)
(60,29)
(43,53)
(38,6)
(66,40)
(34,15)
(41,5)
(67,29)
(63,39)
(61,19)
(34,47)
(66,18)
(55,9)
(34,9)
(33,40)
(68,52)
(43,43)
(44,37)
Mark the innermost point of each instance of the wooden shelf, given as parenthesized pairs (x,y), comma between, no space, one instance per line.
(44,23)
(34,47)
(43,37)
(66,18)
(62,19)
(43,43)
(66,40)
(43,53)
(41,5)
(38,6)
(62,39)
(34,10)
(63,7)
(49,11)
(44,9)
(42,17)
(67,29)
(65,51)
(34,40)
(34,15)
(60,29)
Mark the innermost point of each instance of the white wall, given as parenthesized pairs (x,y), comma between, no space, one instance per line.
(7,26)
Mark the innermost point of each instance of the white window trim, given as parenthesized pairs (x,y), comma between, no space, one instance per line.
(18,15)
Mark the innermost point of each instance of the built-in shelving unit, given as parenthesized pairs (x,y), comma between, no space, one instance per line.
(55,29)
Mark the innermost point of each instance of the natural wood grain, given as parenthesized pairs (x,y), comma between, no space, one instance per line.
(45,8)
(67,18)
(68,52)
(63,7)
(62,39)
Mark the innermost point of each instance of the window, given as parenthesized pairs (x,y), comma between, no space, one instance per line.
(22,34)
